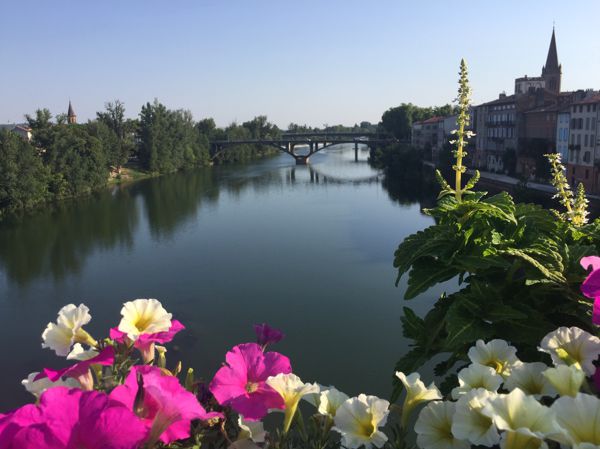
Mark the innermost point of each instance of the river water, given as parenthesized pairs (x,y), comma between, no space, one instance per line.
(305,249)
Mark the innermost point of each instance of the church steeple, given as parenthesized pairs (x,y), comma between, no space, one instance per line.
(71,117)
(552,71)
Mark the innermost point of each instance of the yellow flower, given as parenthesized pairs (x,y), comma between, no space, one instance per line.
(37,387)
(358,420)
(528,377)
(476,376)
(567,380)
(434,427)
(330,401)
(470,424)
(416,392)
(572,346)
(68,329)
(579,419)
(497,354)
(144,316)
(291,389)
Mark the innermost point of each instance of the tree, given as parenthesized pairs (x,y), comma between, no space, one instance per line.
(23,176)
(121,143)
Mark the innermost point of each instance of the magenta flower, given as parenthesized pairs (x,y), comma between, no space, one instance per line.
(163,405)
(73,419)
(591,284)
(145,342)
(240,383)
(81,370)
(266,335)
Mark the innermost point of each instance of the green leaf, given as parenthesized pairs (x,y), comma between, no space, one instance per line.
(425,273)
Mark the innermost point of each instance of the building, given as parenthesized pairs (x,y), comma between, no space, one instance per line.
(495,132)
(562,133)
(428,135)
(71,117)
(584,146)
(22,130)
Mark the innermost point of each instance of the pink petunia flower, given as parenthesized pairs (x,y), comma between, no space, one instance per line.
(81,370)
(145,342)
(241,382)
(266,335)
(163,405)
(73,419)
(591,285)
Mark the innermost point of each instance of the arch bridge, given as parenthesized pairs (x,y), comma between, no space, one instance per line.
(315,142)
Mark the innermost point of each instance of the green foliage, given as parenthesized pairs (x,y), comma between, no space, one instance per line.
(23,176)
(518,276)
(398,121)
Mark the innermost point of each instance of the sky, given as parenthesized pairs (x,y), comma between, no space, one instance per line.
(307,62)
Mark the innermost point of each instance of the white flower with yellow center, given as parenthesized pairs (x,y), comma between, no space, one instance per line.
(497,354)
(523,419)
(144,316)
(470,424)
(68,329)
(476,376)
(330,401)
(572,346)
(37,387)
(416,393)
(358,420)
(579,419)
(291,389)
(251,430)
(528,377)
(566,379)
(434,427)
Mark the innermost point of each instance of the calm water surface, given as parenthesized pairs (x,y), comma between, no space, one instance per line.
(306,249)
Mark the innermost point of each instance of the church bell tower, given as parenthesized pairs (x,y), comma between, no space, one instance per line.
(552,71)
(71,117)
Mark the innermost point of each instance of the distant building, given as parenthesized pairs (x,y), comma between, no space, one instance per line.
(71,117)
(584,145)
(21,129)
(562,133)
(495,132)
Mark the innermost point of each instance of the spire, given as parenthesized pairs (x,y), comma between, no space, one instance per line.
(71,117)
(552,58)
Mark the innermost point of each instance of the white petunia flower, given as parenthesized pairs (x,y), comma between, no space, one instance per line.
(566,379)
(68,329)
(572,346)
(79,353)
(144,316)
(315,398)
(416,392)
(579,419)
(434,427)
(37,387)
(496,354)
(358,420)
(523,419)
(251,430)
(528,377)
(470,424)
(476,376)
(330,400)
(291,389)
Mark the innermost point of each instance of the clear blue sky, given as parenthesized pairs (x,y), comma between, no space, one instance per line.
(310,62)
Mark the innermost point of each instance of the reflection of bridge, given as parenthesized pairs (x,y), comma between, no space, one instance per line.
(318,177)
(314,141)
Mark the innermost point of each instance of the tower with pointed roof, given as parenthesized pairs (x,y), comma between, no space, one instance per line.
(552,71)
(71,117)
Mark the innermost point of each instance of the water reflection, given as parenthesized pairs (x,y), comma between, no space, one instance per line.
(56,241)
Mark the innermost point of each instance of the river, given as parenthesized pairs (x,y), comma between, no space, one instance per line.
(306,249)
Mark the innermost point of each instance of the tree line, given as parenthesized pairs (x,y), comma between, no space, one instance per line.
(66,160)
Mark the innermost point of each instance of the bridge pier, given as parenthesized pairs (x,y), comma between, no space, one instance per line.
(301,160)
(355,151)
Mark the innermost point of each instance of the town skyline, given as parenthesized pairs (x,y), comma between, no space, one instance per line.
(336,74)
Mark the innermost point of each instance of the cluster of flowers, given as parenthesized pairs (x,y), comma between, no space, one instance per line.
(104,400)
(502,400)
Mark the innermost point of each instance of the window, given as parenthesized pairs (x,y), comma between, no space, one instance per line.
(587,123)
(589,107)
(586,157)
(592,140)
(586,140)
(578,139)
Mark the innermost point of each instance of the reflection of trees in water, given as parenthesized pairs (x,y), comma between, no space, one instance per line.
(170,201)
(421,188)
(56,241)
